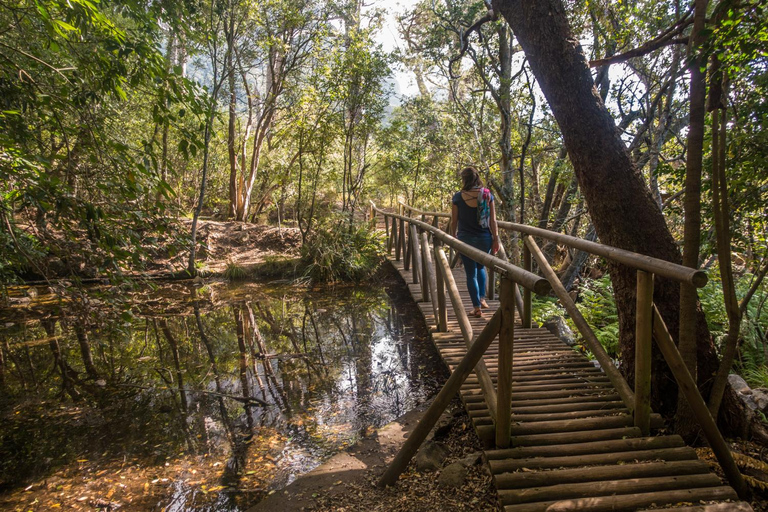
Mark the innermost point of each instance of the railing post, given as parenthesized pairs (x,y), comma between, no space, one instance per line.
(506,346)
(425,288)
(429,276)
(490,289)
(415,257)
(442,309)
(389,235)
(400,244)
(643,340)
(405,236)
(527,312)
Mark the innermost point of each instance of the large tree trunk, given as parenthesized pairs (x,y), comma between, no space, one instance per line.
(621,206)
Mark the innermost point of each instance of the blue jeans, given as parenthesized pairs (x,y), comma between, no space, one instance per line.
(476,278)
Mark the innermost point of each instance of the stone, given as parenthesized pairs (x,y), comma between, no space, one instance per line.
(738,383)
(471,459)
(431,456)
(559,327)
(453,475)
(760,396)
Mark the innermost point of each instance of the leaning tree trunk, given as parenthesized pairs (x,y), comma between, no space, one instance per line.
(621,206)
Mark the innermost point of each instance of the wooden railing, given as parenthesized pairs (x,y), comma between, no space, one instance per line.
(435,277)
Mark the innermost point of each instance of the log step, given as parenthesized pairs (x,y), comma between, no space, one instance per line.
(628,502)
(523,479)
(616,445)
(507,465)
(608,488)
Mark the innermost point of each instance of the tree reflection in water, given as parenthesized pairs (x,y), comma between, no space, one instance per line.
(200,398)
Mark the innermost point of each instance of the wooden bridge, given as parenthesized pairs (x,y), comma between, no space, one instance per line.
(560,433)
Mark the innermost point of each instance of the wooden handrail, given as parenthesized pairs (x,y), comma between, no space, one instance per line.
(696,277)
(528,280)
(422,212)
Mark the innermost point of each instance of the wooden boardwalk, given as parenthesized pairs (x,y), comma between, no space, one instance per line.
(574,443)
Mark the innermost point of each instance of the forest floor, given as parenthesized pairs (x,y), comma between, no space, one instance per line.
(250,246)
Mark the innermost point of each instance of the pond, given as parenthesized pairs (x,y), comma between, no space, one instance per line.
(196,397)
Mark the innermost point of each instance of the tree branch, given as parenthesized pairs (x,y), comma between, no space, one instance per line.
(464,37)
(666,38)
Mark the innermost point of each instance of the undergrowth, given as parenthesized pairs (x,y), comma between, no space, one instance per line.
(596,304)
(340,251)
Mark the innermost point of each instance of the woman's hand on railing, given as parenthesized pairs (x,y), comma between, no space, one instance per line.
(495,246)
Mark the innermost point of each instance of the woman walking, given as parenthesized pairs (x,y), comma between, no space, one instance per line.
(474,214)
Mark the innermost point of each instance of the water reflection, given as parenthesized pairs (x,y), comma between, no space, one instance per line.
(199,398)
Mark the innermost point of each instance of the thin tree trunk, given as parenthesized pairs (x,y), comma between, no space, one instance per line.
(685,423)
(85,350)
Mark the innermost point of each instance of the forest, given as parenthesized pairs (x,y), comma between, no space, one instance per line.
(131,131)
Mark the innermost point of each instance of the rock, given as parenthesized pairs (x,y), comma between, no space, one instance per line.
(738,384)
(760,396)
(431,456)
(453,475)
(558,326)
(471,459)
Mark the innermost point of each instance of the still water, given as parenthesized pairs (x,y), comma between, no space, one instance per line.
(185,397)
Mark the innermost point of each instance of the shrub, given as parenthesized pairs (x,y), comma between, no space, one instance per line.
(338,250)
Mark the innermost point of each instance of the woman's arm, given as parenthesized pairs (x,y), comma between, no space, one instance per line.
(454,220)
(494,228)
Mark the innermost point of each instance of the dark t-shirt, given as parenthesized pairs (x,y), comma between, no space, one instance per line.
(468,225)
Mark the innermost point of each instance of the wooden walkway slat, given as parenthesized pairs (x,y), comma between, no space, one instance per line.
(574,446)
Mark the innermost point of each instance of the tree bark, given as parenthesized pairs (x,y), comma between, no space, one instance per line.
(621,206)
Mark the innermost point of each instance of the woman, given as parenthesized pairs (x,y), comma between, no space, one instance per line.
(474,214)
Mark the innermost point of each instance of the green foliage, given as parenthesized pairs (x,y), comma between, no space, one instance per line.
(756,376)
(235,272)
(342,251)
(79,188)
(544,308)
(597,305)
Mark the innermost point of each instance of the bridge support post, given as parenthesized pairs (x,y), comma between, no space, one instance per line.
(643,340)
(527,312)
(506,346)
